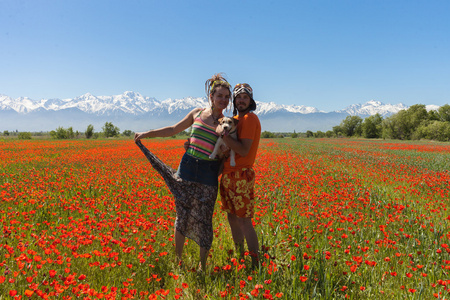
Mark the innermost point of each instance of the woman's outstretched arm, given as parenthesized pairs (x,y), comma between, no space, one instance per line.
(185,123)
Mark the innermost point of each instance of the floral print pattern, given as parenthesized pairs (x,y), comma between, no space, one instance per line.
(237,192)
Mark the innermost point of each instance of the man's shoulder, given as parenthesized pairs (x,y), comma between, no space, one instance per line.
(249,122)
(251,117)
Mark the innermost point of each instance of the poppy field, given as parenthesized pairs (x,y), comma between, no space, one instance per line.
(335,218)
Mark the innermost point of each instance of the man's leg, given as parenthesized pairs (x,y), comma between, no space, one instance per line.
(251,238)
(250,234)
(237,234)
(243,228)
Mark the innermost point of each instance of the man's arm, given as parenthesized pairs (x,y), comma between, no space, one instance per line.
(241,147)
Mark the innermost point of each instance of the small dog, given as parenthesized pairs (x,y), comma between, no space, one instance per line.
(229,126)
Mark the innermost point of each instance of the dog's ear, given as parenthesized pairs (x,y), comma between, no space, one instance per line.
(220,120)
(236,121)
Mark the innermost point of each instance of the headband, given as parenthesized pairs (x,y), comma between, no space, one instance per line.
(219,82)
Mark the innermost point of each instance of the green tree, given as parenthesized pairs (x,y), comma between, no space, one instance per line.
(110,130)
(89,131)
(416,115)
(6,133)
(351,126)
(70,133)
(371,126)
(389,127)
(433,115)
(309,134)
(337,130)
(184,133)
(294,135)
(435,130)
(127,133)
(60,133)
(319,134)
(24,136)
(403,124)
(444,113)
(267,134)
(329,133)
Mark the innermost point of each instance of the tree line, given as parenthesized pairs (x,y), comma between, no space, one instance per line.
(414,123)
(109,130)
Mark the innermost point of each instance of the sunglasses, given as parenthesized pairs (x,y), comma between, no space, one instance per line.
(243,85)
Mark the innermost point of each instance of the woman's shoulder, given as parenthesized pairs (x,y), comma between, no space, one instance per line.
(197,110)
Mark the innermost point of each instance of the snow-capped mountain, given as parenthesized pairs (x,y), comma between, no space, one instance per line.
(431,107)
(373,107)
(128,102)
(136,104)
(263,108)
(133,111)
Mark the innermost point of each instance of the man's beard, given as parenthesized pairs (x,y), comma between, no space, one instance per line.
(242,109)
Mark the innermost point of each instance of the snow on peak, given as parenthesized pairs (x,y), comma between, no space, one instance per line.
(134,103)
(431,107)
(271,107)
(22,105)
(373,107)
(187,103)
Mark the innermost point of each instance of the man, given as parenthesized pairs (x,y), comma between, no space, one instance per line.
(237,183)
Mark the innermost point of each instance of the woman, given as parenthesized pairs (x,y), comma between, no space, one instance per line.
(195,184)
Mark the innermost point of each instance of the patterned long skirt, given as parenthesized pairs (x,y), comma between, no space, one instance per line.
(194,202)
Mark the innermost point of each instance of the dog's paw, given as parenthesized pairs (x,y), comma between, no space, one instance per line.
(212,156)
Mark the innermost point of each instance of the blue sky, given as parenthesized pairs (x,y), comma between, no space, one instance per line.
(325,54)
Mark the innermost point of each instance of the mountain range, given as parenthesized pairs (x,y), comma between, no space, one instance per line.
(132,111)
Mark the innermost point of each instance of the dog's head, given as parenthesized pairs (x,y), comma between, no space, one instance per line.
(228,124)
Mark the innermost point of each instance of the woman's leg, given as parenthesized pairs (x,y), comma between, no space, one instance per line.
(179,244)
(203,257)
(194,216)
(174,185)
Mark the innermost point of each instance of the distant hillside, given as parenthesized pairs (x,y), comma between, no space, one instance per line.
(133,111)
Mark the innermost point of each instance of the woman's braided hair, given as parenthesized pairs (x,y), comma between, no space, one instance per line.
(216,81)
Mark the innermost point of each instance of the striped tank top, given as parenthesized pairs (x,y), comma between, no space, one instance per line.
(203,138)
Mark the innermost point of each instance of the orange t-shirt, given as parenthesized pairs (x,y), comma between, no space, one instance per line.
(248,127)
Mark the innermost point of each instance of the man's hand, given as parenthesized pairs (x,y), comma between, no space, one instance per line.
(225,150)
(186,144)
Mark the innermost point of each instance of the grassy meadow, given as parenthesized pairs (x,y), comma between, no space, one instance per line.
(336,219)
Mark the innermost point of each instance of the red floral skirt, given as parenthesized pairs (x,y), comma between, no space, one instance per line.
(237,192)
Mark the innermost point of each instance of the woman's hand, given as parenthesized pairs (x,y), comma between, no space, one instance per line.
(219,130)
(138,136)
